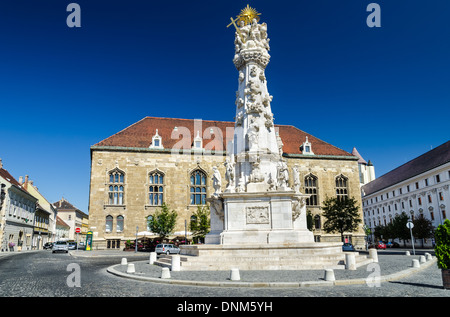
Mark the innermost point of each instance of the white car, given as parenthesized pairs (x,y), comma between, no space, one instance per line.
(167,249)
(60,246)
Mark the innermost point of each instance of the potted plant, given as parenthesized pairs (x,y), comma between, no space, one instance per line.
(442,251)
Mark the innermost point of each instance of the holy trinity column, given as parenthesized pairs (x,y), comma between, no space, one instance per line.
(256,154)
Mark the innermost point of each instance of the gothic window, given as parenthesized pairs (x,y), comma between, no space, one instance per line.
(119,225)
(198,188)
(156,188)
(116,188)
(341,187)
(317,223)
(109,223)
(311,189)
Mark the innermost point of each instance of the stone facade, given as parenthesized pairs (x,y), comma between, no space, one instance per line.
(137,164)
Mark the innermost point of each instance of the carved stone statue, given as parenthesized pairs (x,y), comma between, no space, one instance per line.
(217,181)
(283,175)
(296,178)
(229,174)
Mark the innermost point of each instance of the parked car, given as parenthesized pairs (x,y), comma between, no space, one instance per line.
(381,245)
(72,245)
(48,245)
(81,246)
(348,247)
(60,246)
(167,249)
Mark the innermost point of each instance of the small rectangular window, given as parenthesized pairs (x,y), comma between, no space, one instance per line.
(438,179)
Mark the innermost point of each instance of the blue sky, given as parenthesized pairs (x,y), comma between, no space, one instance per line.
(385,91)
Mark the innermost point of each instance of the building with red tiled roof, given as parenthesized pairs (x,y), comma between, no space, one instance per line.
(170,160)
(73,217)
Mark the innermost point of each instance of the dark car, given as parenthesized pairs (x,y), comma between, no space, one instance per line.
(48,245)
(72,245)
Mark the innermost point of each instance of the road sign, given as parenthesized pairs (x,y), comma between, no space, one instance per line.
(410,225)
(77,230)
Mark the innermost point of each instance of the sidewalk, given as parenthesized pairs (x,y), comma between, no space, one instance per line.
(392,266)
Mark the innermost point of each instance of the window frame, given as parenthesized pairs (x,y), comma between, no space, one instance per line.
(198,187)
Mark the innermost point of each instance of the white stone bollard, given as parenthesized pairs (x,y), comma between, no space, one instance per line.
(428,256)
(329,275)
(350,261)
(124,261)
(373,254)
(152,257)
(422,259)
(234,274)
(176,265)
(165,272)
(130,268)
(415,263)
(407,253)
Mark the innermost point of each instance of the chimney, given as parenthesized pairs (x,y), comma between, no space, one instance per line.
(25,184)
(20,180)
(1,164)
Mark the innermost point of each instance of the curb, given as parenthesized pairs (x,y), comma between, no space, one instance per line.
(386,278)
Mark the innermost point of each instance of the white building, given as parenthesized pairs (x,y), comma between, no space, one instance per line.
(418,187)
(366,170)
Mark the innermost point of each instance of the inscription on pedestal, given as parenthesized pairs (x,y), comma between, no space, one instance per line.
(257,214)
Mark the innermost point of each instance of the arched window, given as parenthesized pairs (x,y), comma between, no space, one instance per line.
(341,187)
(116,189)
(119,225)
(156,188)
(317,222)
(311,189)
(198,188)
(109,223)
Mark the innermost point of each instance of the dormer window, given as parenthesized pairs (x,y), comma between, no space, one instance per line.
(307,148)
(198,142)
(156,141)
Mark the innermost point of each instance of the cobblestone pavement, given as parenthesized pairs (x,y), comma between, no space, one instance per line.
(426,281)
(45,274)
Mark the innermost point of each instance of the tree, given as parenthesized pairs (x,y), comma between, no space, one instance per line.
(399,228)
(423,228)
(163,221)
(341,215)
(200,222)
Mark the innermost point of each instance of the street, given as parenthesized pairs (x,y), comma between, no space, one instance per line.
(43,274)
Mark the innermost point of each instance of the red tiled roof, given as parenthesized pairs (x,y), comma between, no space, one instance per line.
(60,222)
(6,175)
(139,135)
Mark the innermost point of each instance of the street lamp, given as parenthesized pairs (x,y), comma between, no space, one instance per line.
(410,225)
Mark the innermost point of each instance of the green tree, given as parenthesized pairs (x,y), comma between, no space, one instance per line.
(423,228)
(442,248)
(341,215)
(200,223)
(400,230)
(163,221)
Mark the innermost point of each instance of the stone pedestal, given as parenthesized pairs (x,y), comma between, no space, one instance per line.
(273,217)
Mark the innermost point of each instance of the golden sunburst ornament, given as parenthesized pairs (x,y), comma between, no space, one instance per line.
(248,14)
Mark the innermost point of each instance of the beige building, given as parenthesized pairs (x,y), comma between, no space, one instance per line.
(74,218)
(170,160)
